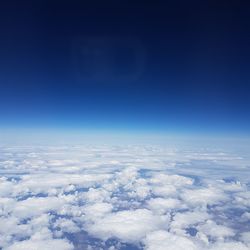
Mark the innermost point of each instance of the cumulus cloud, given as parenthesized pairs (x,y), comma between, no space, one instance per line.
(184,220)
(215,231)
(161,206)
(162,240)
(115,197)
(128,226)
(245,237)
(229,246)
(66,225)
(97,210)
(50,244)
(203,196)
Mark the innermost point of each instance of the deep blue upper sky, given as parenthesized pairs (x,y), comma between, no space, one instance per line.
(161,66)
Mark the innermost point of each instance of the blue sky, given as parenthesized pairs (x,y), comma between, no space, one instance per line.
(162,68)
(124,125)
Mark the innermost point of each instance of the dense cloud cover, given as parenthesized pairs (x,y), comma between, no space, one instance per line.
(123,197)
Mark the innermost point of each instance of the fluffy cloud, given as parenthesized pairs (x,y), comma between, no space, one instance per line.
(161,206)
(229,246)
(176,180)
(114,197)
(97,210)
(130,226)
(185,219)
(162,240)
(245,237)
(203,196)
(35,206)
(50,244)
(66,225)
(215,231)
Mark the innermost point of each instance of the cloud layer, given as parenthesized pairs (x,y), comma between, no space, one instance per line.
(123,197)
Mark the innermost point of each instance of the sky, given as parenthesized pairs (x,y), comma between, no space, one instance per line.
(125,125)
(157,67)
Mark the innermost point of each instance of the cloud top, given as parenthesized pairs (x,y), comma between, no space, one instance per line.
(109,197)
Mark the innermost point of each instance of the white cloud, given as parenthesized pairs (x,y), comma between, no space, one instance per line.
(97,210)
(94,195)
(245,237)
(36,206)
(135,194)
(130,226)
(34,184)
(6,187)
(218,232)
(175,180)
(41,240)
(245,216)
(50,244)
(165,190)
(181,220)
(229,246)
(243,199)
(66,225)
(203,196)
(161,206)
(162,240)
